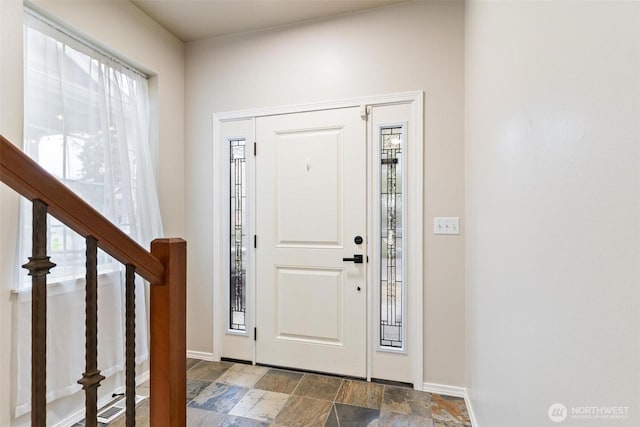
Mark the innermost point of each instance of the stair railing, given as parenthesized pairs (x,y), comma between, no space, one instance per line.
(164,267)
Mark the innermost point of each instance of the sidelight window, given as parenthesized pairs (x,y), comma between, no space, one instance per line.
(239,237)
(392,327)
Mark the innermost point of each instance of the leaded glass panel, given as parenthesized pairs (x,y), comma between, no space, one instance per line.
(239,237)
(391,238)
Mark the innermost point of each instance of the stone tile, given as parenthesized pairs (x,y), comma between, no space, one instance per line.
(279,381)
(303,412)
(360,393)
(332,419)
(318,387)
(192,362)
(356,416)
(195,387)
(260,405)
(243,375)
(218,397)
(392,419)
(142,416)
(203,418)
(406,401)
(209,371)
(235,421)
(446,408)
(437,423)
(231,403)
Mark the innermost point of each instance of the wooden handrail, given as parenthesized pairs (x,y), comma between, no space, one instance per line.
(164,267)
(26,177)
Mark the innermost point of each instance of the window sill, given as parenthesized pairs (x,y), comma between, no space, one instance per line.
(63,285)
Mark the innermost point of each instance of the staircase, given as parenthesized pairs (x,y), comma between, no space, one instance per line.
(164,267)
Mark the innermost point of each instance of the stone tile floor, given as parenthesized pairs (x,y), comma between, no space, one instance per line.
(233,394)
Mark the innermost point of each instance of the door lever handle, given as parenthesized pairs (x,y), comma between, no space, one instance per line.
(357,259)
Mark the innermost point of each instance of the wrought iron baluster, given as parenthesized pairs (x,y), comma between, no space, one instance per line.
(91,377)
(39,266)
(130,345)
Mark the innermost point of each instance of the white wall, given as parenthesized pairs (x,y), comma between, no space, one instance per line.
(125,31)
(553,209)
(406,47)
(11,102)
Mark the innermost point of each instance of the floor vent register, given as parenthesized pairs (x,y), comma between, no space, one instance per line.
(110,413)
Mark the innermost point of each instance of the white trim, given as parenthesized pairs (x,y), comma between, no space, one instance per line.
(202,355)
(454,391)
(102,402)
(445,390)
(397,98)
(415,215)
(252,277)
(370,315)
(472,415)
(218,274)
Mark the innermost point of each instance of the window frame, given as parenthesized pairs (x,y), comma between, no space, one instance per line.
(377,236)
(72,45)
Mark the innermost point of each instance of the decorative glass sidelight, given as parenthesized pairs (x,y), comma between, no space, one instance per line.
(239,239)
(391,238)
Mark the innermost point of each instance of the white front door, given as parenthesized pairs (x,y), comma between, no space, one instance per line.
(311,209)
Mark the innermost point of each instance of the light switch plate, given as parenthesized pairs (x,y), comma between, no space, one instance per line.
(446,225)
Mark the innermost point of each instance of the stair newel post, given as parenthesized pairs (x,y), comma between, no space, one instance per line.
(168,335)
(39,266)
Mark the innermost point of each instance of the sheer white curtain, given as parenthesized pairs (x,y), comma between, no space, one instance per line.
(86,122)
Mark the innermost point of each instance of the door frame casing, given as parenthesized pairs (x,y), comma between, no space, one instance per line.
(414,225)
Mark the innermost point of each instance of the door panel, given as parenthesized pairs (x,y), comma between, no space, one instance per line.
(311,203)
(309,184)
(305,295)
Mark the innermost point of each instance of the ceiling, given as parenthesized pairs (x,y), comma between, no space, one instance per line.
(191,20)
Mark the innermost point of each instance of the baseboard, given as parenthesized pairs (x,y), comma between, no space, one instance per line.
(447,390)
(79,415)
(472,416)
(201,355)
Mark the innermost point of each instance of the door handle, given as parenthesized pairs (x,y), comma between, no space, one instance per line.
(357,259)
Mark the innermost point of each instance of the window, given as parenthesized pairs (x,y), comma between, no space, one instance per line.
(239,238)
(87,123)
(392,328)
